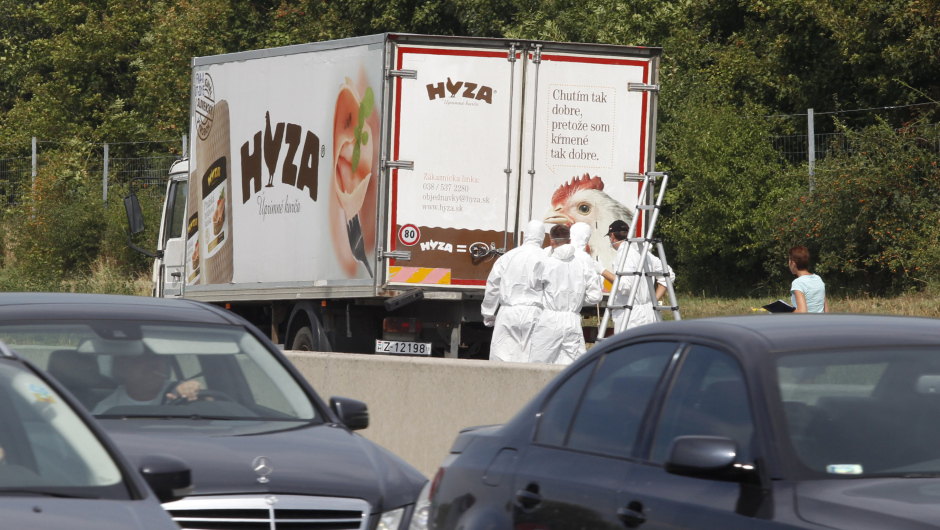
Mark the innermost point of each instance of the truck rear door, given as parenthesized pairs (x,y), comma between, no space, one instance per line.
(455,124)
(590,127)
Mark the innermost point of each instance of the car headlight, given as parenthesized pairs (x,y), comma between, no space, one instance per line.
(391,519)
(419,517)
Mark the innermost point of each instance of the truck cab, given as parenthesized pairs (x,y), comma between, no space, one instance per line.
(168,266)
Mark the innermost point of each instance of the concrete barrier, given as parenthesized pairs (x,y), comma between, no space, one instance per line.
(418,405)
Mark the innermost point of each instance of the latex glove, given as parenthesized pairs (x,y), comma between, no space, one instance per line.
(489,321)
(599,268)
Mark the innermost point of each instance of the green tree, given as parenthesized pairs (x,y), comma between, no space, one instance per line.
(872,222)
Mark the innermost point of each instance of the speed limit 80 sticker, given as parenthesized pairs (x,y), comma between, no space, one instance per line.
(409,235)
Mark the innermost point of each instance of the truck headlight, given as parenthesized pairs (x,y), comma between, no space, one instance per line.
(422,511)
(391,519)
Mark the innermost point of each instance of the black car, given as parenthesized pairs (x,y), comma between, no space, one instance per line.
(777,421)
(200,383)
(59,470)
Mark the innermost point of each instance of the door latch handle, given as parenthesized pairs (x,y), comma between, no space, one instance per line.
(631,518)
(527,500)
(176,274)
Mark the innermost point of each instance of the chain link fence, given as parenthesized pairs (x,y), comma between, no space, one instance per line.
(113,165)
(151,170)
(795,148)
(15,172)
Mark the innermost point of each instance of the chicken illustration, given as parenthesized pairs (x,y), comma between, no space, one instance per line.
(583,200)
(453,87)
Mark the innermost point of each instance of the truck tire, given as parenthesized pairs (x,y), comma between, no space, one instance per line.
(303,340)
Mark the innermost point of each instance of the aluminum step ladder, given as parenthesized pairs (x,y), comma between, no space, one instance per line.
(644,244)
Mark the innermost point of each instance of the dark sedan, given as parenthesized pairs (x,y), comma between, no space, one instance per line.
(200,383)
(778,421)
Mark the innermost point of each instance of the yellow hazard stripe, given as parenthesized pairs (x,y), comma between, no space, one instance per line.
(419,276)
(425,275)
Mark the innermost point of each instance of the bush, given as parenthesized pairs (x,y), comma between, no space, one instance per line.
(717,226)
(872,222)
(62,237)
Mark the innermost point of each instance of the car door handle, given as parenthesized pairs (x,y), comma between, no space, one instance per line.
(631,518)
(527,500)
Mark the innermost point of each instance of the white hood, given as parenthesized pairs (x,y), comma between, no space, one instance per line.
(534,232)
(580,234)
(564,252)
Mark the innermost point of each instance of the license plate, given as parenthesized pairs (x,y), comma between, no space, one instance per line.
(397,347)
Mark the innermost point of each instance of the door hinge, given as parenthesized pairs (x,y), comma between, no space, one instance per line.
(400,164)
(642,87)
(404,255)
(404,74)
(512,53)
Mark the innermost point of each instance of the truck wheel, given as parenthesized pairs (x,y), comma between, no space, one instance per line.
(303,340)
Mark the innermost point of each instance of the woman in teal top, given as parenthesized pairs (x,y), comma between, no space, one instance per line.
(807,292)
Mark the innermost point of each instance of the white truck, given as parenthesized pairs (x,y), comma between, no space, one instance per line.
(352,195)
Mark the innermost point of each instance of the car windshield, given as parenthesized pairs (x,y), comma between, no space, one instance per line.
(871,412)
(135,369)
(45,447)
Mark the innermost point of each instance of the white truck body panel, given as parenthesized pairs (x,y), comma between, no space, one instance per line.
(284,205)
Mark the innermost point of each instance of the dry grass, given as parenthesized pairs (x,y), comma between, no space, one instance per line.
(925,304)
(105,277)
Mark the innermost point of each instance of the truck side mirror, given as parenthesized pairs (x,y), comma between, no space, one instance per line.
(135,222)
(135,218)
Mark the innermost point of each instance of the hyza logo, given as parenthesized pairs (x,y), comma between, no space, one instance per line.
(442,246)
(470,90)
(214,175)
(204,89)
(303,173)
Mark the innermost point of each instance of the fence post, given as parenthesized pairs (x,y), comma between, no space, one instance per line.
(34,163)
(185,146)
(104,191)
(811,147)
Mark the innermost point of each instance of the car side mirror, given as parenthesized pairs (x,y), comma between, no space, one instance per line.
(169,477)
(702,456)
(135,218)
(351,413)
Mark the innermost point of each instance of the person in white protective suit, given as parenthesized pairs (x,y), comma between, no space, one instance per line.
(580,235)
(510,287)
(567,284)
(643,312)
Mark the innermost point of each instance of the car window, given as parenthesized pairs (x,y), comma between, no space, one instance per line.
(45,445)
(611,411)
(708,397)
(132,368)
(557,414)
(863,412)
